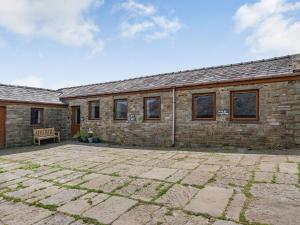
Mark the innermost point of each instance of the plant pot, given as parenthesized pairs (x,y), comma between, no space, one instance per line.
(90,140)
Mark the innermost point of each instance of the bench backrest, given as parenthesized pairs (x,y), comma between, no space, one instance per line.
(44,132)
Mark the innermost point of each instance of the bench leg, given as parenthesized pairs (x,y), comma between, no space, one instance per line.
(39,141)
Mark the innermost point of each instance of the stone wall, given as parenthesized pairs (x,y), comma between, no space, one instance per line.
(19,129)
(135,131)
(278,127)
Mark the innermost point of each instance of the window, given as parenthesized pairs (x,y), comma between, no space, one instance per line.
(37,116)
(120,109)
(152,108)
(94,110)
(204,106)
(244,105)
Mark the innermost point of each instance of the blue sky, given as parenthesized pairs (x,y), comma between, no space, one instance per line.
(56,43)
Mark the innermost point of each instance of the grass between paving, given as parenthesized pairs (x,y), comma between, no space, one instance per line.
(162,190)
(248,195)
(30,166)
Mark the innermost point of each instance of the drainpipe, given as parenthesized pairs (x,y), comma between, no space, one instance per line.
(173,117)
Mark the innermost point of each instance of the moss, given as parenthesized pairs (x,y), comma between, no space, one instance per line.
(49,207)
(169,212)
(9,198)
(88,220)
(273,179)
(247,193)
(115,174)
(162,191)
(31,166)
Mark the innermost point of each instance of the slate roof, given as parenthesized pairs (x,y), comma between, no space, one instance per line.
(243,71)
(28,94)
(275,67)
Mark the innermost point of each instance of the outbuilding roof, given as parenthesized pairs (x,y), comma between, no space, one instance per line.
(269,68)
(28,94)
(242,71)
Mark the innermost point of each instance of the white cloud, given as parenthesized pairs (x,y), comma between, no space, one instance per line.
(1,42)
(132,30)
(272,28)
(64,21)
(168,27)
(39,82)
(143,21)
(30,81)
(136,8)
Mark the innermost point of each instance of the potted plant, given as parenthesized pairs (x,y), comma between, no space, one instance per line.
(77,136)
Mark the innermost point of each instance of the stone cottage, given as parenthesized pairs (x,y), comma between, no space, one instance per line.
(254,104)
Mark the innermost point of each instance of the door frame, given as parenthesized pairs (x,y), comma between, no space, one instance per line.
(4,133)
(73,118)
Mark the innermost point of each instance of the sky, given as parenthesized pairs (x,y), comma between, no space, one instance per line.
(61,43)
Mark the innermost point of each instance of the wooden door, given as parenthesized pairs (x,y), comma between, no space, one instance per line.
(2,127)
(75,126)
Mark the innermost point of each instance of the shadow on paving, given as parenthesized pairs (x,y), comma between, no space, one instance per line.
(216,149)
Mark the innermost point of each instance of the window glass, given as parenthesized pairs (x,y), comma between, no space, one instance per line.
(244,105)
(121,108)
(152,108)
(204,106)
(36,116)
(94,108)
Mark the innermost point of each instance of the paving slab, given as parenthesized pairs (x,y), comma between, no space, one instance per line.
(97,182)
(287,178)
(23,193)
(21,214)
(149,191)
(235,207)
(84,203)
(56,175)
(139,215)
(82,179)
(198,178)
(158,173)
(224,222)
(176,217)
(62,197)
(210,200)
(267,167)
(264,176)
(178,196)
(109,210)
(42,194)
(274,204)
(115,183)
(57,219)
(178,175)
(288,168)
(208,168)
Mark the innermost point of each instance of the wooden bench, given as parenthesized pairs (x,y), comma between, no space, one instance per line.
(43,134)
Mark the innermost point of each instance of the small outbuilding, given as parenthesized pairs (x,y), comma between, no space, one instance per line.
(254,104)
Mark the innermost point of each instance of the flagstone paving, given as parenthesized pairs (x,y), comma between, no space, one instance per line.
(80,184)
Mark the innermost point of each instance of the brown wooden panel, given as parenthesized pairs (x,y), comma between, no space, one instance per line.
(75,120)
(2,127)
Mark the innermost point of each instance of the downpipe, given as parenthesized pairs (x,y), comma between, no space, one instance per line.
(173,118)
